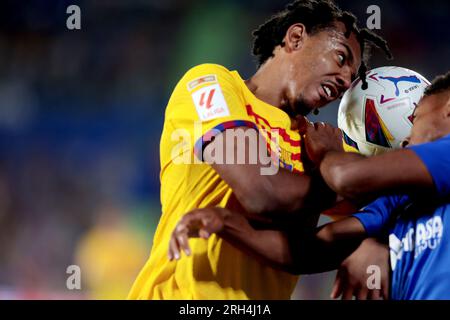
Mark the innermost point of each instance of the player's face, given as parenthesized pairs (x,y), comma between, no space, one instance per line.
(322,69)
(431,119)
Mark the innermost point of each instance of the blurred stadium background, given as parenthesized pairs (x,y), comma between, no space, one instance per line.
(81,113)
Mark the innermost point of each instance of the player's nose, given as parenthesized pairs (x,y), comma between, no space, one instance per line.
(344,80)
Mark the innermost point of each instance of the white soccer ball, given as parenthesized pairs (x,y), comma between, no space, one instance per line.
(380,118)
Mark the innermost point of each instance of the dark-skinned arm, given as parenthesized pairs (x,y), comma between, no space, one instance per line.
(353,175)
(298,251)
(266,194)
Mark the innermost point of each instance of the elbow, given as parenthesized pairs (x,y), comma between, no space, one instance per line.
(257,203)
(263,199)
(257,199)
(250,199)
(344,181)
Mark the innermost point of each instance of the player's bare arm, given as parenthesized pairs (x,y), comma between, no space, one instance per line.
(283,192)
(354,176)
(300,250)
(340,245)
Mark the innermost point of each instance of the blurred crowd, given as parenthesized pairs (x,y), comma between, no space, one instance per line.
(81,112)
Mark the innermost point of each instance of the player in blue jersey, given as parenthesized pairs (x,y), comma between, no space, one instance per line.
(415,215)
(412,212)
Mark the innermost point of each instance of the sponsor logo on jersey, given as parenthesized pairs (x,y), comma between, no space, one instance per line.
(423,236)
(199,81)
(210,103)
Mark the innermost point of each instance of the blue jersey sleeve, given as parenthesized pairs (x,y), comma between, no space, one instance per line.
(436,157)
(375,216)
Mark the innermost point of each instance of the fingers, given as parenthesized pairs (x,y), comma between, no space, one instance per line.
(318,125)
(385,288)
(347,292)
(338,133)
(181,236)
(337,287)
(303,124)
(199,223)
(344,288)
(325,126)
(374,294)
(178,242)
(174,250)
(362,293)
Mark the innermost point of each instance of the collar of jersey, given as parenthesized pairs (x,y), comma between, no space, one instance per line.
(272,108)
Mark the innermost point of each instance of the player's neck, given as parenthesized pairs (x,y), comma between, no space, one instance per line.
(266,86)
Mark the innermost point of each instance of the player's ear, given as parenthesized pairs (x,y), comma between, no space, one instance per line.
(295,36)
(447,107)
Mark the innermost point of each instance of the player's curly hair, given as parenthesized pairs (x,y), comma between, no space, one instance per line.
(316,15)
(439,84)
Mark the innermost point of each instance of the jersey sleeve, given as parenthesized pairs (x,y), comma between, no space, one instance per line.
(436,157)
(207,101)
(376,216)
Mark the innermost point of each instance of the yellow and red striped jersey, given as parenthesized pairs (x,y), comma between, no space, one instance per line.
(208,100)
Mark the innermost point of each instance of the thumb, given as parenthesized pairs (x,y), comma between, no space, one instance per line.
(302,124)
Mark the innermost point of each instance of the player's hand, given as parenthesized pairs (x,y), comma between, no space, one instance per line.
(352,277)
(199,223)
(319,138)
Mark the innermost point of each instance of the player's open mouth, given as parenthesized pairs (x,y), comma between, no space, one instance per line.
(330,92)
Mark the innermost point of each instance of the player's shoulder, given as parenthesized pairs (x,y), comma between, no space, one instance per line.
(445,140)
(208,73)
(208,67)
(206,84)
(430,151)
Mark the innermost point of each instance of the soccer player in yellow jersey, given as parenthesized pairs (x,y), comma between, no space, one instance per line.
(308,55)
